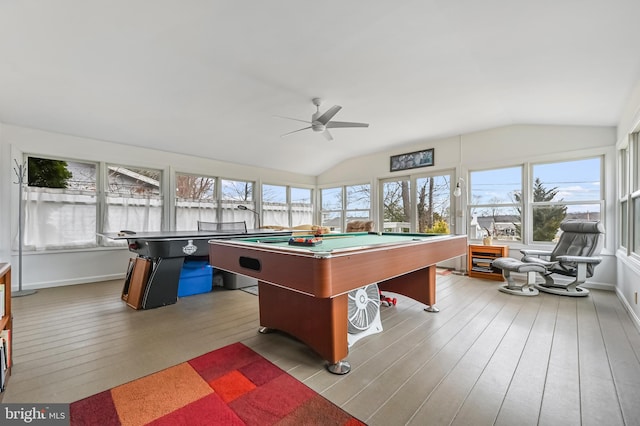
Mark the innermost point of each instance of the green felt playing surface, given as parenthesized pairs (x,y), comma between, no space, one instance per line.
(331,242)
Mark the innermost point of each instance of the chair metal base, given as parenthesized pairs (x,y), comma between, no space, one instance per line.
(524,290)
(515,288)
(562,290)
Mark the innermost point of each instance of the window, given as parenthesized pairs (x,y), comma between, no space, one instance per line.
(396,205)
(565,190)
(133,199)
(301,206)
(623,196)
(238,193)
(331,207)
(286,206)
(419,203)
(636,225)
(195,201)
(635,194)
(275,209)
(554,192)
(358,205)
(60,204)
(496,204)
(635,162)
(433,202)
(343,204)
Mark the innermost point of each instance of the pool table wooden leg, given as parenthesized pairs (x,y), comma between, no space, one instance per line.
(419,285)
(321,323)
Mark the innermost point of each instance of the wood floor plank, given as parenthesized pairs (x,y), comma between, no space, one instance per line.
(487,357)
(376,380)
(483,402)
(521,405)
(561,399)
(623,359)
(599,401)
(442,404)
(431,362)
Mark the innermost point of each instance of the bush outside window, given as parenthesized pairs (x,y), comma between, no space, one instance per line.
(60,204)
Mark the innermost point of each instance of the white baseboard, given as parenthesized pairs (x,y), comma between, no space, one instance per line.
(599,286)
(627,307)
(75,281)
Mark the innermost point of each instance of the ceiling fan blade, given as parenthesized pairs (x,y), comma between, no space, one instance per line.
(335,124)
(328,115)
(327,135)
(290,118)
(295,131)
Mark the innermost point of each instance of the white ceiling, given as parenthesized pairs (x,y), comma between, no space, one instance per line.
(207,77)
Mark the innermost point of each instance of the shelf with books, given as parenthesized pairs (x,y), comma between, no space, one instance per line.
(5,325)
(479,261)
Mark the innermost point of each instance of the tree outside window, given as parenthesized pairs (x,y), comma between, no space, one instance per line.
(433,204)
(341,204)
(235,193)
(564,190)
(60,202)
(396,205)
(195,201)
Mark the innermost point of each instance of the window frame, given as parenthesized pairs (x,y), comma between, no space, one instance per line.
(527,203)
(160,197)
(634,197)
(201,211)
(523,205)
(600,202)
(288,204)
(25,192)
(342,210)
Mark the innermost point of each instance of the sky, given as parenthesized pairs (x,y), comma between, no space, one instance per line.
(576,181)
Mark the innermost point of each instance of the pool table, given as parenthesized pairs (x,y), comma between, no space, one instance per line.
(303,289)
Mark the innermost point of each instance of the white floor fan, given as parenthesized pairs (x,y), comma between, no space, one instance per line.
(364,313)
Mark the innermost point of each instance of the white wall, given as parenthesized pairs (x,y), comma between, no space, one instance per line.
(502,147)
(628,267)
(45,269)
(487,149)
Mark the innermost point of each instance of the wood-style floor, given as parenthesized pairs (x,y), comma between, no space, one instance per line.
(487,357)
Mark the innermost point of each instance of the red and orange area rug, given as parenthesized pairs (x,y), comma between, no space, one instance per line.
(229,386)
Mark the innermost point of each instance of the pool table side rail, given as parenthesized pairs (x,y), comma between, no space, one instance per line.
(273,244)
(340,273)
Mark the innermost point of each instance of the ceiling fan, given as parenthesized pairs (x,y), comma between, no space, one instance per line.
(321,122)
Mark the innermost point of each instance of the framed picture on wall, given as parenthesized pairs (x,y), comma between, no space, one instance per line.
(412,160)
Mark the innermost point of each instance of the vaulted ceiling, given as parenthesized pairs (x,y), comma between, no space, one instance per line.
(209,78)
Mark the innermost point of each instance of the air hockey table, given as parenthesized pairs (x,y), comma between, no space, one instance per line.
(161,256)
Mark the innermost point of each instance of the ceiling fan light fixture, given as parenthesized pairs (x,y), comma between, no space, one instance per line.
(321,122)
